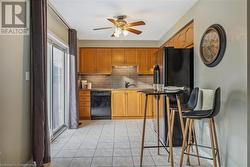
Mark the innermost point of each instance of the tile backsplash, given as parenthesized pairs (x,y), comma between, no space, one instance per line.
(117,79)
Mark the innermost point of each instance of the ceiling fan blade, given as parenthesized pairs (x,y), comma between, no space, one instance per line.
(134,31)
(112,21)
(138,23)
(103,28)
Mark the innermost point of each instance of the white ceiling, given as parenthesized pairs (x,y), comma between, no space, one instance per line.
(159,16)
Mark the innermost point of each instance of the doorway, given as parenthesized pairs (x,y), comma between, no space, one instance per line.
(57,69)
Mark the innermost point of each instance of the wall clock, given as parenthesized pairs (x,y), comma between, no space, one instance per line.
(213,45)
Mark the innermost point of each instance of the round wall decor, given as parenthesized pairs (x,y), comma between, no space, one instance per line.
(213,45)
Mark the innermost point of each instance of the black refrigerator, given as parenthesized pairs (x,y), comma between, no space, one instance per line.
(176,69)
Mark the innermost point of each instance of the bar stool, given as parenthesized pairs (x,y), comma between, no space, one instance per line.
(201,115)
(189,106)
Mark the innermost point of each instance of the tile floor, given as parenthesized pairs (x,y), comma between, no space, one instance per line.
(109,143)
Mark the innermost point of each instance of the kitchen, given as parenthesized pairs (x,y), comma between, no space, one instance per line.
(112,71)
(124,83)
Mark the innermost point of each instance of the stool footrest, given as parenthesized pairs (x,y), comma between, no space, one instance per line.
(209,158)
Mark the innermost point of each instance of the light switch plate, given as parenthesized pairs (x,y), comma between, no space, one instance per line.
(27,76)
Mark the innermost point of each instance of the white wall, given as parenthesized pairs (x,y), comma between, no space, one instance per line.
(230,74)
(15,130)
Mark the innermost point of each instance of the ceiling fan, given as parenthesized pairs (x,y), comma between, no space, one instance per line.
(121,26)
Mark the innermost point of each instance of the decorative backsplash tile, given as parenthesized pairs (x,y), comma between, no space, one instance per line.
(118,77)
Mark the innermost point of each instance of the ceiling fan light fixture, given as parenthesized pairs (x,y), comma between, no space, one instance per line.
(118,31)
(125,32)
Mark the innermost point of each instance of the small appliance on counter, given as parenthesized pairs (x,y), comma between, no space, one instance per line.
(84,84)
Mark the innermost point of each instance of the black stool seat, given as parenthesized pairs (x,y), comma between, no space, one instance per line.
(198,114)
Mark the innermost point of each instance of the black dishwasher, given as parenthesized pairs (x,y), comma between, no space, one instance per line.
(100,104)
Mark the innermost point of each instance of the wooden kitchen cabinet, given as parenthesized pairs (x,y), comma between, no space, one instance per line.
(100,60)
(132,103)
(95,61)
(147,58)
(118,57)
(183,38)
(149,105)
(118,101)
(84,104)
(103,61)
(142,55)
(88,60)
(130,55)
(152,60)
(125,104)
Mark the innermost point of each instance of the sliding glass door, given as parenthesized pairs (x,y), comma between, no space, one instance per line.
(56,87)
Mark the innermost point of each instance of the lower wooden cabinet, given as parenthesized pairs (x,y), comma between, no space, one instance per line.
(130,104)
(84,104)
(118,100)
(149,105)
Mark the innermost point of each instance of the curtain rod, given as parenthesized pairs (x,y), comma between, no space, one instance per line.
(58,15)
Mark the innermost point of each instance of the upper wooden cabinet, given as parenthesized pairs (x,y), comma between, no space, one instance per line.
(87,60)
(143,58)
(103,61)
(118,57)
(130,55)
(95,61)
(182,39)
(146,59)
(189,36)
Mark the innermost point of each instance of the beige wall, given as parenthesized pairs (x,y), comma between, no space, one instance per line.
(56,26)
(230,74)
(15,118)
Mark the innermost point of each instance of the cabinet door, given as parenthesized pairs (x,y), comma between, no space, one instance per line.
(130,56)
(149,105)
(87,60)
(189,36)
(142,56)
(152,59)
(180,40)
(118,57)
(103,61)
(132,101)
(118,104)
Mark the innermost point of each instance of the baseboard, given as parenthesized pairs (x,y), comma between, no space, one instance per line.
(30,163)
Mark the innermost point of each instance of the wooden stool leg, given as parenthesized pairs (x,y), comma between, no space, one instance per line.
(158,124)
(189,140)
(184,142)
(143,130)
(196,144)
(212,141)
(216,142)
(172,123)
(170,135)
(180,114)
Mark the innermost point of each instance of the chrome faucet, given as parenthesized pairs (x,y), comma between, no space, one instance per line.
(127,84)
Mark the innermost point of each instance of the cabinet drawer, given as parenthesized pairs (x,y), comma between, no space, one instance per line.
(84,99)
(84,112)
(84,104)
